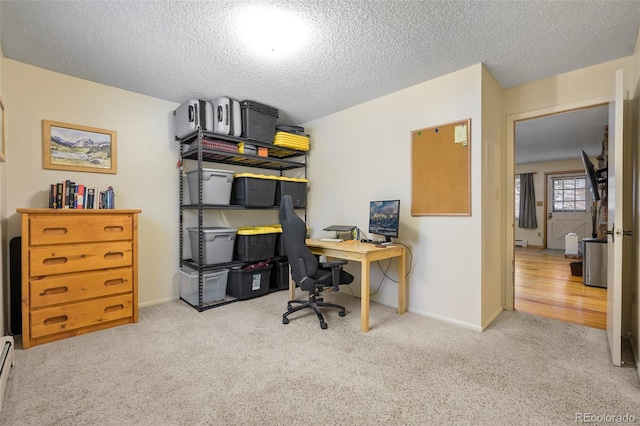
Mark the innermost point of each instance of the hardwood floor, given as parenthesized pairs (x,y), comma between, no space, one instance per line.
(545,287)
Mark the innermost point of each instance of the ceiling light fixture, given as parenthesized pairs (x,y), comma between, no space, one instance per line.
(271,32)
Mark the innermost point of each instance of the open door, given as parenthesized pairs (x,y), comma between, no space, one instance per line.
(615,182)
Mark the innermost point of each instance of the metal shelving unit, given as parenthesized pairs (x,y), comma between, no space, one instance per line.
(280,159)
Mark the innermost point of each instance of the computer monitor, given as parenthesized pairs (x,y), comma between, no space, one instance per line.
(384,218)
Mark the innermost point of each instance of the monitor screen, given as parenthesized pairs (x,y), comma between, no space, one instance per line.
(384,218)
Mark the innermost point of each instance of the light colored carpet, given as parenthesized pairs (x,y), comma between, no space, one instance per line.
(239,365)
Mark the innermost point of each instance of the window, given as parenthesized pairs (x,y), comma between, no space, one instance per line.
(569,194)
(517,203)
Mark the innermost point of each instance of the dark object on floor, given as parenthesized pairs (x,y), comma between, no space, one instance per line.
(576,269)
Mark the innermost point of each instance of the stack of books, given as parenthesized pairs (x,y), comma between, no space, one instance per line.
(71,195)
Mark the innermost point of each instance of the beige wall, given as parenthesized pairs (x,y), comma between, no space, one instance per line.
(493,195)
(147,175)
(364,153)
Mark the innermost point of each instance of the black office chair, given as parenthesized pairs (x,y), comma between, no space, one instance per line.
(306,271)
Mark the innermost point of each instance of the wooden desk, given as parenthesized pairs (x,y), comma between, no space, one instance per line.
(365,253)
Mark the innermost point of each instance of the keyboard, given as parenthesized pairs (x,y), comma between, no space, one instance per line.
(333,240)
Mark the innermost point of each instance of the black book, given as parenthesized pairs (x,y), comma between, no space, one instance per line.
(60,195)
(52,196)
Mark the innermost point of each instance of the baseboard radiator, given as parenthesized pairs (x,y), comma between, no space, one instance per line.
(6,362)
(522,243)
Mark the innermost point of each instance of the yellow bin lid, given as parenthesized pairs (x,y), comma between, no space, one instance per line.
(257,230)
(291,179)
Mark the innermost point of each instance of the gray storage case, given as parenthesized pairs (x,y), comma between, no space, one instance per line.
(192,114)
(227,116)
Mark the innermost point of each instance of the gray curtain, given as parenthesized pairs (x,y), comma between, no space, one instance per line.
(527,217)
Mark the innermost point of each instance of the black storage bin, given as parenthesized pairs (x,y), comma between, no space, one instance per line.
(297,188)
(279,276)
(576,269)
(254,245)
(253,190)
(258,121)
(248,283)
(280,251)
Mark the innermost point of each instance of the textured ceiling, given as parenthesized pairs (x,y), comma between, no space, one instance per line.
(356,50)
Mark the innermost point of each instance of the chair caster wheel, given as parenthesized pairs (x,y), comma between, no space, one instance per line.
(342,313)
(323,325)
(285,320)
(289,307)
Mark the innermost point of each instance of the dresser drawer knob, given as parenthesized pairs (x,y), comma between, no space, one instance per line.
(54,290)
(113,228)
(114,255)
(54,231)
(55,261)
(115,281)
(113,308)
(56,320)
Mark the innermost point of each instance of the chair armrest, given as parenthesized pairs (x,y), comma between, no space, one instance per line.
(334,263)
(336,267)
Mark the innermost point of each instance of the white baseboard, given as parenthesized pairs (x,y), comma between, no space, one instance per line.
(447,319)
(157,302)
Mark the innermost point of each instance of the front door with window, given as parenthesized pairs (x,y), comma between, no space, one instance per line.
(568,208)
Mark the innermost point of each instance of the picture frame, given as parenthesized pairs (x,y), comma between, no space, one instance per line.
(78,148)
(3,142)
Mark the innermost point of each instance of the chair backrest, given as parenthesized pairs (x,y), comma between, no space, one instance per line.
(294,233)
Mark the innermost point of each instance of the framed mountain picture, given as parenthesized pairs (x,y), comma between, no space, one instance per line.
(78,148)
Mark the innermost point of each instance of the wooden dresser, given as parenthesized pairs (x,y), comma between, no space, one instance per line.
(79,272)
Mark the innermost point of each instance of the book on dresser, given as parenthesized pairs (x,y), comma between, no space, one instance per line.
(72,195)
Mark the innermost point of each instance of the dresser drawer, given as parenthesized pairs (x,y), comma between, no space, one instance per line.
(54,229)
(57,289)
(57,319)
(51,260)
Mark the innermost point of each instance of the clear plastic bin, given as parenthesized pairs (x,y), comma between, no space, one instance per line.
(214,285)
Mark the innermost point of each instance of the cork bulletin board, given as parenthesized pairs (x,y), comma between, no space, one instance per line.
(441,170)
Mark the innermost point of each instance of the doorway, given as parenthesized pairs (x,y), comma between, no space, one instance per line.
(545,282)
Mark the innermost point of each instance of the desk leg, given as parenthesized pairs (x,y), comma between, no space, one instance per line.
(292,286)
(402,283)
(364,295)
